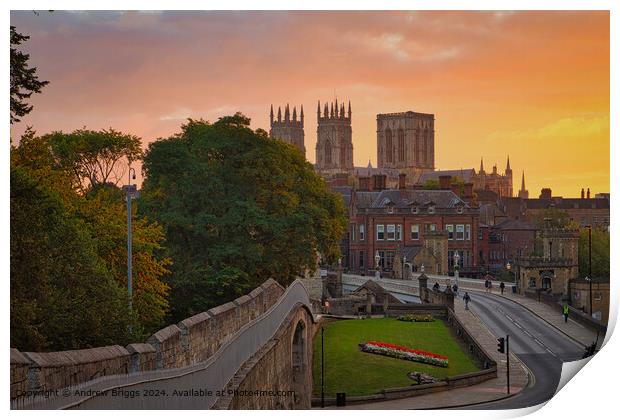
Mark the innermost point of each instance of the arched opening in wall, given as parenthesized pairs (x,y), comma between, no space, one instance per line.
(389,151)
(301,385)
(343,153)
(328,153)
(401,145)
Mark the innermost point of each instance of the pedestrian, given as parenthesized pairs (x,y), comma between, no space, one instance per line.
(455,289)
(501,286)
(466,298)
(565,312)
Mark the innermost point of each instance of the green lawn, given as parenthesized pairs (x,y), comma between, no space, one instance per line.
(347,369)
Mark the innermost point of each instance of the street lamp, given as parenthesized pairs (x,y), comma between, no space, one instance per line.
(377,259)
(589,278)
(405,276)
(130,193)
(457,258)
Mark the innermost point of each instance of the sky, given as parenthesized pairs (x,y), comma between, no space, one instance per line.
(531,85)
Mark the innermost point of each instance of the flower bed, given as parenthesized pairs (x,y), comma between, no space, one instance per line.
(401,352)
(416,318)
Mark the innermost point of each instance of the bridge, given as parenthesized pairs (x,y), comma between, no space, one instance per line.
(253,353)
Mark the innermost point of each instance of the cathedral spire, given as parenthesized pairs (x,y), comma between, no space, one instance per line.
(279,115)
(294,113)
(331,111)
(523,181)
(481,166)
(349,109)
(271,114)
(301,115)
(326,111)
(318,109)
(287,114)
(508,164)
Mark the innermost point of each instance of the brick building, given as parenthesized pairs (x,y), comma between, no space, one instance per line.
(408,222)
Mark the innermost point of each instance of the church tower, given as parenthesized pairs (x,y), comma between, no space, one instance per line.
(290,129)
(334,145)
(508,178)
(523,193)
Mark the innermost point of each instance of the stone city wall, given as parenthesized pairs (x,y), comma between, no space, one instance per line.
(193,340)
(277,377)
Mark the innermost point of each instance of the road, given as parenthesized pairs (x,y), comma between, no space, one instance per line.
(541,347)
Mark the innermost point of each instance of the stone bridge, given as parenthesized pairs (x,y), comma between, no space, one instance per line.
(255,352)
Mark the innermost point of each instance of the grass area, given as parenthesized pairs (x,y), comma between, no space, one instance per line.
(347,369)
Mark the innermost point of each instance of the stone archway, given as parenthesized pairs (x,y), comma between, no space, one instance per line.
(299,355)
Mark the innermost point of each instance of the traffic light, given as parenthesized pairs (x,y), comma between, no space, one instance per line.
(500,344)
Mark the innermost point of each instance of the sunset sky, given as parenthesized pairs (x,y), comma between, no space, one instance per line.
(532,85)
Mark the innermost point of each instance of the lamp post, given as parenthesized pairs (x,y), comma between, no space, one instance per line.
(377,259)
(590,264)
(130,193)
(405,274)
(457,258)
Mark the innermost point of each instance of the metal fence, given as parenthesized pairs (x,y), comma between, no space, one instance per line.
(193,387)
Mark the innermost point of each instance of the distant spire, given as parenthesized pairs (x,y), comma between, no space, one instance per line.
(508,164)
(294,113)
(279,115)
(318,109)
(523,181)
(287,114)
(301,115)
(336,106)
(271,114)
(326,111)
(349,109)
(331,111)
(481,166)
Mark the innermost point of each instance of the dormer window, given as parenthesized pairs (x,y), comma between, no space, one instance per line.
(431,209)
(390,209)
(415,210)
(459,209)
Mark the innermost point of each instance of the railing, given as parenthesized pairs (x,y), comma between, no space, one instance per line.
(191,387)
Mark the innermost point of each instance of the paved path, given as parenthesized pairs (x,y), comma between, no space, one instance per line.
(584,336)
(491,390)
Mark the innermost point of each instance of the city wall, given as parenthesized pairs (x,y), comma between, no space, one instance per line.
(192,340)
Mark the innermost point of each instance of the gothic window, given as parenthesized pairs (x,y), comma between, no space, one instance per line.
(328,153)
(389,151)
(425,151)
(417,146)
(343,153)
(401,145)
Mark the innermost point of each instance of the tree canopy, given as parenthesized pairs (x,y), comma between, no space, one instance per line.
(24,79)
(600,253)
(238,207)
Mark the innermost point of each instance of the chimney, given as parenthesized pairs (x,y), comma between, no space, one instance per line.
(444,182)
(456,189)
(545,193)
(583,194)
(588,193)
(401,181)
(364,183)
(468,188)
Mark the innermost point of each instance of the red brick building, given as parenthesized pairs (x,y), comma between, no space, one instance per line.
(406,221)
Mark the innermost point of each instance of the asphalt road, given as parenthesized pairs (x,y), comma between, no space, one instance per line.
(541,347)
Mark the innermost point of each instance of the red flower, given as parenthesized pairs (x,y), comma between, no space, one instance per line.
(406,349)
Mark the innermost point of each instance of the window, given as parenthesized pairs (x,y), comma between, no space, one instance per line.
(352,233)
(399,232)
(460,232)
(432,227)
(389,149)
(431,209)
(391,232)
(362,233)
(328,153)
(386,260)
(415,232)
(467,232)
(380,233)
(401,145)
(450,229)
(361,260)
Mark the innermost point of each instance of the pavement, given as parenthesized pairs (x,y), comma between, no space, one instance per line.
(572,329)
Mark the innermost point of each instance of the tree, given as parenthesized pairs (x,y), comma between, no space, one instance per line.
(554,218)
(62,297)
(600,253)
(101,216)
(431,184)
(94,157)
(238,207)
(24,79)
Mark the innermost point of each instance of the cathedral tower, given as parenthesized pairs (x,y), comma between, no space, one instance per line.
(406,141)
(290,129)
(334,145)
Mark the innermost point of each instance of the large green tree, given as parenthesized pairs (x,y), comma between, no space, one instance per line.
(600,253)
(24,79)
(62,296)
(238,207)
(100,215)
